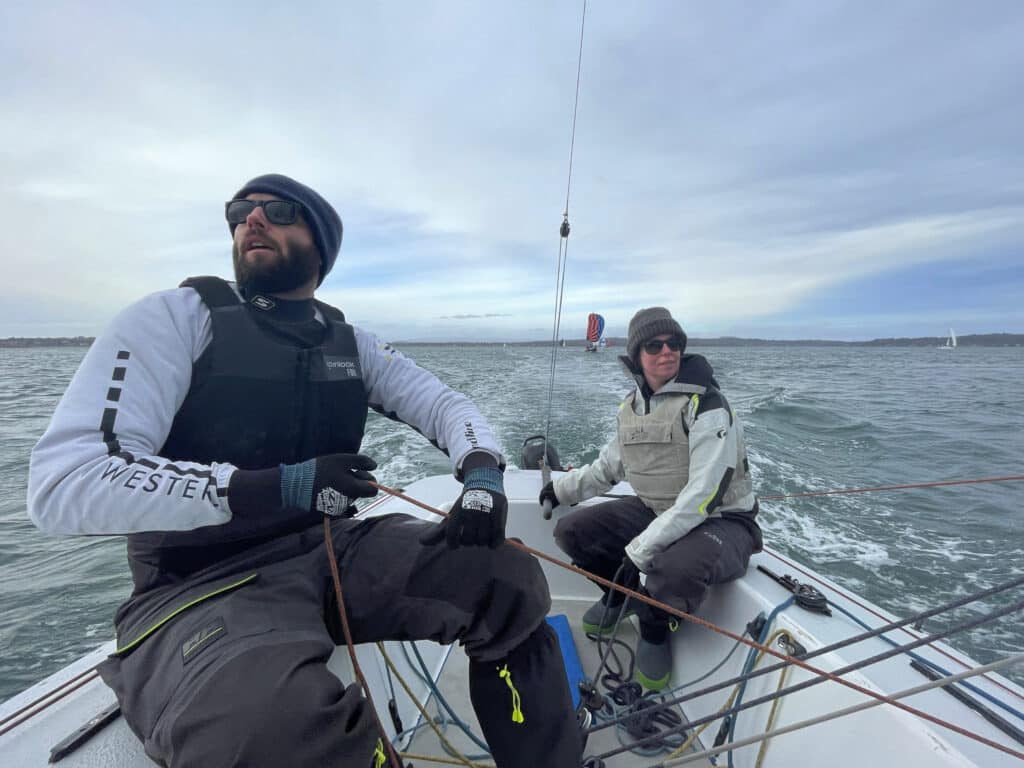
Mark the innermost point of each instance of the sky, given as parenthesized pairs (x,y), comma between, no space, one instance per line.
(785,170)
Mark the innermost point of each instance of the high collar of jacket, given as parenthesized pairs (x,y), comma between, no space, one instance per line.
(695,375)
(277,309)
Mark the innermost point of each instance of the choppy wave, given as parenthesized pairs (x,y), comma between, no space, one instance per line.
(816,419)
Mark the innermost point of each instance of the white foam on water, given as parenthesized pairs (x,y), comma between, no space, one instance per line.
(815,418)
(820,541)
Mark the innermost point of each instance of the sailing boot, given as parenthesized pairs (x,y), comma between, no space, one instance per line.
(601,617)
(654,649)
(524,707)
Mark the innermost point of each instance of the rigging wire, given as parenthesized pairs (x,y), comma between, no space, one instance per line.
(920,641)
(576,102)
(786,660)
(998,664)
(918,623)
(49,698)
(836,676)
(821,674)
(933,484)
(626,720)
(935,667)
(563,241)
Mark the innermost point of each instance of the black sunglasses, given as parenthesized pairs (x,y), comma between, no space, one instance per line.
(277,211)
(653,347)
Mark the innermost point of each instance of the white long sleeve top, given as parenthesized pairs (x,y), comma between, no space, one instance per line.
(76,487)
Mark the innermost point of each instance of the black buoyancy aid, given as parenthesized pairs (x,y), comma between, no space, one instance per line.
(255,401)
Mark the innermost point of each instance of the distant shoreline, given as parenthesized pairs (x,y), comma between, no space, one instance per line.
(45,341)
(616,344)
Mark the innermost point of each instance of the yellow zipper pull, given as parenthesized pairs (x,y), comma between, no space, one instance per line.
(379,758)
(517,712)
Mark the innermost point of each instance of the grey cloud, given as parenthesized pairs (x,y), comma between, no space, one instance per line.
(472,317)
(721,136)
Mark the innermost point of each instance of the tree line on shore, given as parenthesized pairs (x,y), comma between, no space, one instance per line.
(616,344)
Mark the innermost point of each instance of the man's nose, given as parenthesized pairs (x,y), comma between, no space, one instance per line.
(256,217)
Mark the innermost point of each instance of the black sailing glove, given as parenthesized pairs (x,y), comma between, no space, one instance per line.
(478,516)
(327,484)
(547,493)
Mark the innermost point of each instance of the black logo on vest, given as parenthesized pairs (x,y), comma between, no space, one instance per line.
(262,302)
(342,367)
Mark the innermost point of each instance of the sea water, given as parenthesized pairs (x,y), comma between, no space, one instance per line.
(816,418)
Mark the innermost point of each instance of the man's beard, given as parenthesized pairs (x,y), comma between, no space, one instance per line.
(294,269)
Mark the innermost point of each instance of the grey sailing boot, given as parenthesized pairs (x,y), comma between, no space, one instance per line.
(654,656)
(601,617)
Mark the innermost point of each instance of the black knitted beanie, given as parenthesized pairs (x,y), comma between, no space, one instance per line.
(324,222)
(648,323)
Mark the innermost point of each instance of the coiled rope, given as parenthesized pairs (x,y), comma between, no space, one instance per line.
(821,675)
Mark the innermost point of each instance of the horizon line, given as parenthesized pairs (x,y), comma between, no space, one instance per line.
(620,341)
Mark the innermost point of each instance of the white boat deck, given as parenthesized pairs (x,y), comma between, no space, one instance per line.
(880,736)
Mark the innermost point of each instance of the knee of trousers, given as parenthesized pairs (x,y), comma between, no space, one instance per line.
(516,602)
(683,591)
(568,537)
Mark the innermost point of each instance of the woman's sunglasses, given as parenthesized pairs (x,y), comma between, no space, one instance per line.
(277,211)
(654,346)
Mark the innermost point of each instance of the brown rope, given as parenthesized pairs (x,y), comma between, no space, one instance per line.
(731,635)
(392,755)
(892,487)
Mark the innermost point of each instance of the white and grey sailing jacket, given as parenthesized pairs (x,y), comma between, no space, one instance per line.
(682,450)
(137,375)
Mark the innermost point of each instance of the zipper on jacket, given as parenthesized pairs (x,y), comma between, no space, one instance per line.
(299,426)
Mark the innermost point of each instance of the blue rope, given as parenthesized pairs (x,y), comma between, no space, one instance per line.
(969,686)
(447,707)
(748,665)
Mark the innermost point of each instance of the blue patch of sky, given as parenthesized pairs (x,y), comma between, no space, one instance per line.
(978,285)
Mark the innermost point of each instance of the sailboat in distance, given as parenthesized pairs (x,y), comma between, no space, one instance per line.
(595,329)
(950,341)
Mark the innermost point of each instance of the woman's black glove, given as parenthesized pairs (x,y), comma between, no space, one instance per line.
(547,493)
(478,516)
(327,484)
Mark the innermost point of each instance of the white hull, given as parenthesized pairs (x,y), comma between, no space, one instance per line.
(880,736)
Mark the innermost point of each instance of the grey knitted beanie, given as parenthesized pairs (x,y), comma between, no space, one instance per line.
(648,323)
(324,222)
